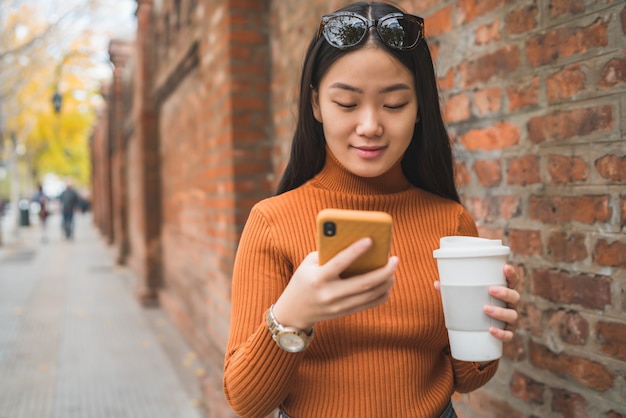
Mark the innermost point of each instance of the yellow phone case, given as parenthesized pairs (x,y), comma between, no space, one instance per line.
(349,227)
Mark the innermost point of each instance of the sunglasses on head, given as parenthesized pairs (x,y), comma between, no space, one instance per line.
(346,29)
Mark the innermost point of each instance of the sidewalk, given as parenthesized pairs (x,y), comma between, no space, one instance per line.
(74,343)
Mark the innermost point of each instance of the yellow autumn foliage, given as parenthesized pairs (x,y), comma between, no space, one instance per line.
(38,60)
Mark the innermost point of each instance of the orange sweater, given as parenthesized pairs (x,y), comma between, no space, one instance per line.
(390,361)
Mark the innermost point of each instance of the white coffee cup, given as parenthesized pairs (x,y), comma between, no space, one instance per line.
(468,266)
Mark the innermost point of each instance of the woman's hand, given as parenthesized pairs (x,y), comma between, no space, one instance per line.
(317,293)
(507,314)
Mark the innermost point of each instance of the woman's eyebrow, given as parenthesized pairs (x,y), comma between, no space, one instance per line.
(395,87)
(387,89)
(343,86)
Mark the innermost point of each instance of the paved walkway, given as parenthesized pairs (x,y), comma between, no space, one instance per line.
(74,343)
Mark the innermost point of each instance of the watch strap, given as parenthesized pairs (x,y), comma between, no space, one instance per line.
(277,330)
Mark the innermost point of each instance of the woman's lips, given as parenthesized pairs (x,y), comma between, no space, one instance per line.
(369,152)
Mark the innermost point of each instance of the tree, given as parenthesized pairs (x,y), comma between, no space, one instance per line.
(49,46)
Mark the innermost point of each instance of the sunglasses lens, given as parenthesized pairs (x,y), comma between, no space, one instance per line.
(400,32)
(344,31)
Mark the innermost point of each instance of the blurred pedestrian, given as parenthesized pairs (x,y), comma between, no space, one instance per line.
(42,200)
(70,201)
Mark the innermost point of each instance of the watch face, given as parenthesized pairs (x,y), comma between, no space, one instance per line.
(291,342)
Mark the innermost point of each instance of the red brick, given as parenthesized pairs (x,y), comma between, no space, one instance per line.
(567,248)
(478,208)
(584,371)
(523,171)
(523,96)
(246,6)
(614,414)
(457,108)
(565,83)
(490,233)
(493,207)
(522,20)
(514,350)
(610,254)
(500,63)
(531,318)
(484,405)
(488,33)
(572,328)
(499,136)
(569,404)
(489,172)
(592,292)
(471,9)
(613,73)
(509,206)
(612,167)
(439,22)
(623,16)
(527,389)
(461,173)
(525,242)
(424,5)
(566,42)
(561,209)
(488,100)
(559,7)
(612,339)
(564,169)
(447,82)
(569,124)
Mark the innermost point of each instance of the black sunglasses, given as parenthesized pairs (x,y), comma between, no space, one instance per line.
(346,29)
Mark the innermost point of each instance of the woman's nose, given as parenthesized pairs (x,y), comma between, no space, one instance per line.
(369,124)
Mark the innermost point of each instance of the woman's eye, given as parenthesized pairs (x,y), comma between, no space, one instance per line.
(396,106)
(345,105)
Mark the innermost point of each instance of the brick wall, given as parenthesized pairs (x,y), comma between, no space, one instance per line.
(533,94)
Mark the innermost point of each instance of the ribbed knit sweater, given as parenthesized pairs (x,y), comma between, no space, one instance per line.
(389,361)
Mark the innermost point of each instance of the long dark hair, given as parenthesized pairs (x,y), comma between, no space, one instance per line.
(427,162)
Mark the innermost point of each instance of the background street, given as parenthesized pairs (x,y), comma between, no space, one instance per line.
(73,340)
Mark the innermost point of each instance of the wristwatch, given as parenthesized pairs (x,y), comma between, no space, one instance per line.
(289,339)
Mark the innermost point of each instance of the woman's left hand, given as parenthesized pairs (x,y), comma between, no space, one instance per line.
(507,314)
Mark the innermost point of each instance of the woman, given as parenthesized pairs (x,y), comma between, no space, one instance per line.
(369,137)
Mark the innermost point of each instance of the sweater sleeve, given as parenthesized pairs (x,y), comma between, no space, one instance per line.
(257,372)
(469,376)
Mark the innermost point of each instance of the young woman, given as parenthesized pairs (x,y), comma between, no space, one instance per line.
(369,137)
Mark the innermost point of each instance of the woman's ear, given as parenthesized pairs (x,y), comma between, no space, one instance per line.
(315,104)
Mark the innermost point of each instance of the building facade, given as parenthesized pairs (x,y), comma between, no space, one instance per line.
(197,129)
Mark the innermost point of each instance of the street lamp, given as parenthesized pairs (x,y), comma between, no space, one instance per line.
(57,100)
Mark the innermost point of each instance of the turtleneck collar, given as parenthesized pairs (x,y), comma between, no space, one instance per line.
(334,176)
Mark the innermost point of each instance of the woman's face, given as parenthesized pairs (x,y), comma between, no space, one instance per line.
(367,105)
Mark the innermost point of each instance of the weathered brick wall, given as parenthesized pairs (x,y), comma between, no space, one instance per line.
(100,180)
(211,84)
(533,93)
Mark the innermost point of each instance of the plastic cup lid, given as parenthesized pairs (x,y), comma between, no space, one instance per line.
(461,246)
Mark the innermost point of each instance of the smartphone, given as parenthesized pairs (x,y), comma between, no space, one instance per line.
(339,228)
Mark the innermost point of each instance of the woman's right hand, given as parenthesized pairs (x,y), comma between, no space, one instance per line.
(316,293)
